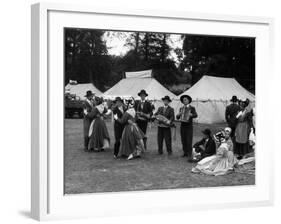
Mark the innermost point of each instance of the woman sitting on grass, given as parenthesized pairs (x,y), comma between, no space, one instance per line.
(220,163)
(132,138)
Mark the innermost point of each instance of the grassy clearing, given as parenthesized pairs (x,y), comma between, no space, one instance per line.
(100,172)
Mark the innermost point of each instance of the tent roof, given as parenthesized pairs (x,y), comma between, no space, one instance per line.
(217,88)
(81,89)
(132,86)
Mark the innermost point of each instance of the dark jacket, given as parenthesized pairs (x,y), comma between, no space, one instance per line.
(168,113)
(118,126)
(210,146)
(230,114)
(193,114)
(87,106)
(147,108)
(119,113)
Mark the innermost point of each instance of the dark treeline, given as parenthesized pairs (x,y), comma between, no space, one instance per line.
(87,58)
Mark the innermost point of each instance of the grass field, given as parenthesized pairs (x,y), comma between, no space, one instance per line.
(100,172)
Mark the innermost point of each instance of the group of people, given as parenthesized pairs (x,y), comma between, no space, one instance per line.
(231,148)
(215,154)
(240,117)
(131,120)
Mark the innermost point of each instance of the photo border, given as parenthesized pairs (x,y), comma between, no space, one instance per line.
(40,183)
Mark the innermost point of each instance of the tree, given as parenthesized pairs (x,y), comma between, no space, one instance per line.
(86,56)
(220,56)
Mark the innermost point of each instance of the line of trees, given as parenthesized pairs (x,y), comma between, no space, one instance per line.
(87,58)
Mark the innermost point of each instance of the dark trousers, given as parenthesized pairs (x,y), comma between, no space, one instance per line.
(186,130)
(164,133)
(86,127)
(118,131)
(143,126)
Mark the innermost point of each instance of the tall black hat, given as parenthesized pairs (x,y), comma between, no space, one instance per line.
(167,98)
(143,92)
(207,131)
(234,99)
(89,93)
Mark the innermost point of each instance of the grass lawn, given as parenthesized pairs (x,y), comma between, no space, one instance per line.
(100,172)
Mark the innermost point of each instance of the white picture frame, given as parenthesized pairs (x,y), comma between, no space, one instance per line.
(48,201)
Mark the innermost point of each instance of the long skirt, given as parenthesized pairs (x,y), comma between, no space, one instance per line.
(216,165)
(132,140)
(242,149)
(99,136)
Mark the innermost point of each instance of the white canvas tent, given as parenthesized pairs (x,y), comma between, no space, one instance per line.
(211,95)
(81,89)
(136,81)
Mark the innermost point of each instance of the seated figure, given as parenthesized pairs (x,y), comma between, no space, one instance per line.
(220,163)
(205,147)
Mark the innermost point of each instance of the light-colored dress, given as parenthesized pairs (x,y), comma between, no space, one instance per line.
(218,164)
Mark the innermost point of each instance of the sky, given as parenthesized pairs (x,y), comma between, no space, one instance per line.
(116,43)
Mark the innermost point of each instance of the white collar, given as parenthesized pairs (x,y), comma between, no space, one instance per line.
(100,108)
(132,112)
(89,101)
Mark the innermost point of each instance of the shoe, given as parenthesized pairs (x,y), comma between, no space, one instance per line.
(184,155)
(130,157)
(114,156)
(160,153)
(170,153)
(191,160)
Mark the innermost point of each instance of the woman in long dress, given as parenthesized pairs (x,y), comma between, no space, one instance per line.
(219,164)
(132,138)
(98,133)
(242,131)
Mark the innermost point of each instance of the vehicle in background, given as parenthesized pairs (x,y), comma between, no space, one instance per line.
(73,106)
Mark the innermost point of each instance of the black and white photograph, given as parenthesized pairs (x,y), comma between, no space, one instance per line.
(154,111)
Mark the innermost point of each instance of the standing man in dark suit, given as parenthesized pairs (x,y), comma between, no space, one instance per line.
(165,116)
(186,115)
(230,114)
(118,110)
(88,106)
(143,113)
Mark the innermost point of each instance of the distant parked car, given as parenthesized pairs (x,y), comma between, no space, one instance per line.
(73,105)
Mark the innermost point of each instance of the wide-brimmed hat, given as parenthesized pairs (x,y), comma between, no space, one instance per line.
(143,92)
(118,98)
(89,93)
(186,96)
(234,99)
(207,131)
(167,98)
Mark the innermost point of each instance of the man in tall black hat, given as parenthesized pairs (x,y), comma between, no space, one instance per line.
(88,106)
(165,116)
(143,113)
(186,115)
(230,114)
(118,110)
